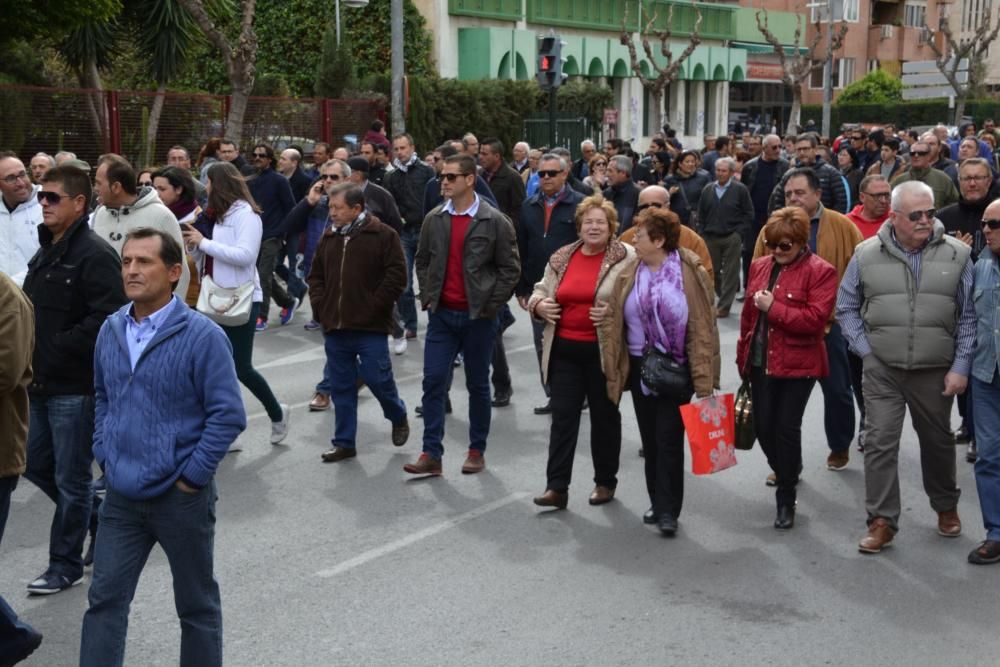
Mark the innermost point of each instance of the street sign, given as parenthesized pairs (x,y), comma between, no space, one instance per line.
(928,92)
(922,80)
(929,66)
(937,79)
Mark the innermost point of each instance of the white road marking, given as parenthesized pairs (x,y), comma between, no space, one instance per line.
(413,538)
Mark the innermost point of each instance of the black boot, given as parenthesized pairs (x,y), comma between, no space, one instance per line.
(785,518)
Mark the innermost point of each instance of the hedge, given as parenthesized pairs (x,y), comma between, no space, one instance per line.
(902,114)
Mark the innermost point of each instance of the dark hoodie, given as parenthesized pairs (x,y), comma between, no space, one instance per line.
(966,217)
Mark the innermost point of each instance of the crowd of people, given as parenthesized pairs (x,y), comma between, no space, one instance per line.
(867,264)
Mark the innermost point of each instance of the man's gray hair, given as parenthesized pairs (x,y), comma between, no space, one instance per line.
(622,163)
(909,189)
(976,162)
(727,160)
(772,138)
(66,154)
(527,147)
(52,160)
(552,156)
(345,169)
(293,154)
(587,142)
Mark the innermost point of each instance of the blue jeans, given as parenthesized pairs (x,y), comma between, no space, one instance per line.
(449,331)
(344,349)
(184,526)
(60,455)
(408,303)
(838,397)
(986,413)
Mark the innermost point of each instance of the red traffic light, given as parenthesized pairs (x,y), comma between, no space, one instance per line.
(545,63)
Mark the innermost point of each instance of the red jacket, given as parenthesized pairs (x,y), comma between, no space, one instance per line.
(867,227)
(804,296)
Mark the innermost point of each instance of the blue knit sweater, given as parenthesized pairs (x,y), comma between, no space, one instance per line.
(175,416)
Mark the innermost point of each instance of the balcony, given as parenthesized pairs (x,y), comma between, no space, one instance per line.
(716,20)
(502,10)
(903,43)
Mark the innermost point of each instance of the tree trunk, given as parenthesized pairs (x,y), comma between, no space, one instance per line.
(959,109)
(149,147)
(657,98)
(795,116)
(239,97)
(90,80)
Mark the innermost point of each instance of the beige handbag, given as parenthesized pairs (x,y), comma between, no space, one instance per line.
(228,306)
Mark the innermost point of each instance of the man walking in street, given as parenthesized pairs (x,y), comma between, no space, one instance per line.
(905,303)
(353,295)
(833,191)
(74,282)
(165,382)
(622,191)
(20,216)
(921,170)
(725,213)
(468,265)
(760,175)
(833,237)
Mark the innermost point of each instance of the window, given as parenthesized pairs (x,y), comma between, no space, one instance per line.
(872,66)
(843,74)
(914,14)
(973,13)
(843,10)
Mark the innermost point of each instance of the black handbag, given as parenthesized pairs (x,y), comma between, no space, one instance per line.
(665,376)
(743,413)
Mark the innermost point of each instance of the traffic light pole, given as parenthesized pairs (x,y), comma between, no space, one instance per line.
(552,118)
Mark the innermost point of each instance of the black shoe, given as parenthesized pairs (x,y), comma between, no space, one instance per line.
(545,409)
(668,524)
(20,648)
(970,453)
(419,410)
(642,453)
(502,398)
(649,517)
(785,518)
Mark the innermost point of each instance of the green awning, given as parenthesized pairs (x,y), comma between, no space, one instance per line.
(752,47)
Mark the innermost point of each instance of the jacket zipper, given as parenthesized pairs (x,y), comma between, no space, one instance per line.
(340,286)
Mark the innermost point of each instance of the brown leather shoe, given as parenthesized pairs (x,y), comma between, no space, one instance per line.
(722,313)
(879,537)
(474,462)
(550,498)
(319,403)
(601,495)
(424,465)
(339,454)
(400,433)
(949,525)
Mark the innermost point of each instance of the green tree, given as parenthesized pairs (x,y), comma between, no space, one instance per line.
(876,87)
(370,34)
(335,72)
(51,18)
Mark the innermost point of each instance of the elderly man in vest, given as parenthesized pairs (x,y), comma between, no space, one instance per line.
(905,304)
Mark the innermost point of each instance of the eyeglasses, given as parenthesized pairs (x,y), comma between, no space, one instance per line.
(879,195)
(969,179)
(145,184)
(783,246)
(260,154)
(14,178)
(548,173)
(451,178)
(600,164)
(50,198)
(992,224)
(652,204)
(330,177)
(919,153)
(916,216)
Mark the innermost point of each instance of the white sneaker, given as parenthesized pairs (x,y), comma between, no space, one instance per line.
(399,345)
(280,429)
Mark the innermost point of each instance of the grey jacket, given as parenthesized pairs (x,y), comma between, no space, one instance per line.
(490,260)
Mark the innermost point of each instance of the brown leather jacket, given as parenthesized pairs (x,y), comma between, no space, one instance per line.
(17,343)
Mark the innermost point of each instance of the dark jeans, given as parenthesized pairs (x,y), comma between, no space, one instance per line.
(410,237)
(12,630)
(537,330)
(662,432)
(267,261)
(574,374)
(343,350)
(60,455)
(241,338)
(987,412)
(296,286)
(965,410)
(449,331)
(778,406)
(838,399)
(857,366)
(501,370)
(183,525)
(7,486)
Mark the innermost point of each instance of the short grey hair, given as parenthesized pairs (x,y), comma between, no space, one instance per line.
(527,147)
(553,156)
(587,142)
(622,163)
(729,161)
(772,138)
(345,169)
(976,162)
(66,154)
(52,160)
(909,189)
(293,154)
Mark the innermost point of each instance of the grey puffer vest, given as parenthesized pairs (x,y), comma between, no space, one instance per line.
(911,323)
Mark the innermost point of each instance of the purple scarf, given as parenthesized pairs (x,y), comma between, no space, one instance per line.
(663,306)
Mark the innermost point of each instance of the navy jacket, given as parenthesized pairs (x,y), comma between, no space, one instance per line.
(534,244)
(273,194)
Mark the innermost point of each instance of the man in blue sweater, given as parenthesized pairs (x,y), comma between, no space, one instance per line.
(168,407)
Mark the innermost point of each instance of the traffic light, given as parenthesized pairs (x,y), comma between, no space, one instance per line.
(550,62)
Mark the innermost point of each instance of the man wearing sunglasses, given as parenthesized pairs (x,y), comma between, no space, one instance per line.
(906,307)
(20,216)
(74,282)
(921,158)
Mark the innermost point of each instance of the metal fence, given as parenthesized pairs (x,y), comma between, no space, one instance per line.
(570,131)
(89,122)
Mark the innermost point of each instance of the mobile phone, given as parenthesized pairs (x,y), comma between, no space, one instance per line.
(186,226)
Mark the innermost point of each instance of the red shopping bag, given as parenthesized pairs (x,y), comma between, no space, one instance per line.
(711,432)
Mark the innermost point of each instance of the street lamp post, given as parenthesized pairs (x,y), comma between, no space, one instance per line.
(828,66)
(347,3)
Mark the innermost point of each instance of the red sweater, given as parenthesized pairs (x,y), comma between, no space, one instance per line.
(867,227)
(576,296)
(453,295)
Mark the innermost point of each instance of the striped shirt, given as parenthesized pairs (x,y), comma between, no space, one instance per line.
(850,298)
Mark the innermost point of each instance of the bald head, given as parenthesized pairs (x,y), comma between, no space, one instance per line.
(654,195)
(992,212)
(288,161)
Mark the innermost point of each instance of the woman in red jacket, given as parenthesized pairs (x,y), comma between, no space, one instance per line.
(792,293)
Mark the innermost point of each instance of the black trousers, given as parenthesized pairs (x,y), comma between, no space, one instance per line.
(778,406)
(574,374)
(856,365)
(662,431)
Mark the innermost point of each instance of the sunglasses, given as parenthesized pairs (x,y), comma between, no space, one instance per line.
(50,198)
(14,178)
(145,184)
(330,177)
(600,164)
(451,178)
(878,195)
(643,207)
(916,216)
(919,153)
(260,154)
(548,173)
(783,246)
(992,224)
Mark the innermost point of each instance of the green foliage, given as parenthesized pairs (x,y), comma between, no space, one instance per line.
(21,63)
(581,97)
(93,42)
(877,87)
(31,19)
(164,32)
(371,36)
(270,84)
(908,113)
(335,72)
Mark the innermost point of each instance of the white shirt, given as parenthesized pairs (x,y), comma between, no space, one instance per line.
(234,247)
(19,236)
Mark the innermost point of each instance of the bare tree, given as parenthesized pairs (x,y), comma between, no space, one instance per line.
(240,57)
(664,74)
(973,47)
(796,68)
